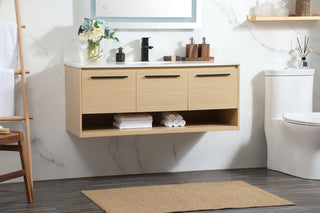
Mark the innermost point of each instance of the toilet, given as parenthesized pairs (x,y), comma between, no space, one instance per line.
(292,129)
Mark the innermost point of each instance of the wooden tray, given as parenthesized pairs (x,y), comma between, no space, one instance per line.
(198,59)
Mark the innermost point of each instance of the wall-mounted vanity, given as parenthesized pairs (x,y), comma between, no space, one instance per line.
(206,94)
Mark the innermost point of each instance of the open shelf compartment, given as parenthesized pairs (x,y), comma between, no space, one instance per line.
(100,125)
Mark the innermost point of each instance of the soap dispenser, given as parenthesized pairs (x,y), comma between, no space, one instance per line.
(120,56)
(204,49)
(192,49)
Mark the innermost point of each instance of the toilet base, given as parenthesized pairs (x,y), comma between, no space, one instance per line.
(293,149)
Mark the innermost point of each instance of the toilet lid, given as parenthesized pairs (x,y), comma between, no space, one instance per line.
(308,119)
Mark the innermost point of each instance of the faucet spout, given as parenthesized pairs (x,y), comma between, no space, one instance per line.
(145,49)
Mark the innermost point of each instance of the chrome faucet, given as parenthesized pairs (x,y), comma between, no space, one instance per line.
(145,49)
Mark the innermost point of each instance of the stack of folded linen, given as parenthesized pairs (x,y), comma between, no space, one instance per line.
(132,121)
(4,131)
(172,119)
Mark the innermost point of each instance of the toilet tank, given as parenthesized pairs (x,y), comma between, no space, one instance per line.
(288,91)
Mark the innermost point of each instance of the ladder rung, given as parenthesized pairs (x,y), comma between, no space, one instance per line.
(12,175)
(10,147)
(23,26)
(19,72)
(13,118)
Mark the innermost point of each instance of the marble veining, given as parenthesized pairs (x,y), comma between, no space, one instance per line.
(44,153)
(138,155)
(255,46)
(113,151)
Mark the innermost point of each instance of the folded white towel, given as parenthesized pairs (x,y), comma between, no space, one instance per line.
(130,122)
(8,45)
(132,126)
(6,92)
(133,117)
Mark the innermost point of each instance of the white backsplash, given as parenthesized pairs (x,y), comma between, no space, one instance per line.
(50,38)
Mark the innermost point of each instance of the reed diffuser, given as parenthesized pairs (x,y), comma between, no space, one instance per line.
(304,51)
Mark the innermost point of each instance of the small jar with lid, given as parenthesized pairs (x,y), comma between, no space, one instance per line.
(120,56)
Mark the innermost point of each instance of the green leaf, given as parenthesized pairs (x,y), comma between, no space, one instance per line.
(96,25)
(80,30)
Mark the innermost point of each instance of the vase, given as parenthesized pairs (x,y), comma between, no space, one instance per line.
(266,9)
(94,51)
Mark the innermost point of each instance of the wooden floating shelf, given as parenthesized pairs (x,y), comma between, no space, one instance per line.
(290,18)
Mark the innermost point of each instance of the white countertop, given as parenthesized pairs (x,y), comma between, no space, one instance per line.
(131,64)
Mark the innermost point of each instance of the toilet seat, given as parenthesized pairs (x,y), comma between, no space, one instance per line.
(306,119)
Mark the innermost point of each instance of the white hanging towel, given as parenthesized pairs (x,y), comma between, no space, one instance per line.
(6,92)
(8,45)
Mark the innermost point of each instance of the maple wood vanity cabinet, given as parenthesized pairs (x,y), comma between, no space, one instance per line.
(205,94)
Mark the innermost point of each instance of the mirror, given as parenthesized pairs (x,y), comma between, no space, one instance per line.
(147,14)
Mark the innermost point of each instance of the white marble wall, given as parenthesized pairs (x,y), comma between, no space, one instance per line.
(51,36)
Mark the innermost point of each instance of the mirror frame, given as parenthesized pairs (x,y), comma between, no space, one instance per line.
(150,23)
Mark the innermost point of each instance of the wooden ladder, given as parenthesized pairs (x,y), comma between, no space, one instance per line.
(23,73)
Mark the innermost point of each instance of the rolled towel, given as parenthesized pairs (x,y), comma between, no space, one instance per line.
(169,116)
(167,123)
(182,123)
(176,123)
(178,116)
(179,123)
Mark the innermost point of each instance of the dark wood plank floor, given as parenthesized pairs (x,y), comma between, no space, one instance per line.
(65,195)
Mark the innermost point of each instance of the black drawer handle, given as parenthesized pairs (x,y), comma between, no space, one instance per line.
(162,76)
(109,77)
(213,75)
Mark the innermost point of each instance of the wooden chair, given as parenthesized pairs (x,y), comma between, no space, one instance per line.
(25,172)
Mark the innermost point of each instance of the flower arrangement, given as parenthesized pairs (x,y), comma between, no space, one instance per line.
(303,52)
(93,30)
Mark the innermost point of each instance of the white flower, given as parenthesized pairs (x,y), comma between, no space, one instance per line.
(94,35)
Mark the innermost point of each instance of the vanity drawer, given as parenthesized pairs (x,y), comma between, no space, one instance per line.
(162,90)
(108,91)
(213,88)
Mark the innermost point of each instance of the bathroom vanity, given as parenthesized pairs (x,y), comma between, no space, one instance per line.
(206,94)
